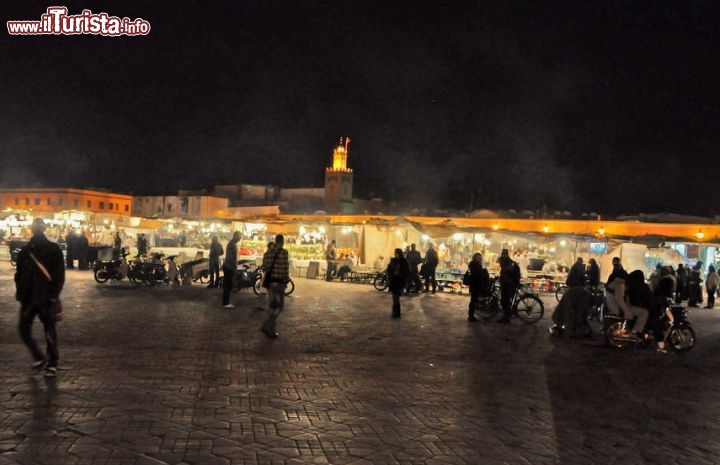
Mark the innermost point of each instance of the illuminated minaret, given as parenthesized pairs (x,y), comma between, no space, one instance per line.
(339,181)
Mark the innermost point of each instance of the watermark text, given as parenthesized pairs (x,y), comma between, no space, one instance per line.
(56,21)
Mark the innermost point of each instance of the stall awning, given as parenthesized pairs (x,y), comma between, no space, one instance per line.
(283,228)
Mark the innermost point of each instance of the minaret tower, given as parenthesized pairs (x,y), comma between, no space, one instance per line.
(339,181)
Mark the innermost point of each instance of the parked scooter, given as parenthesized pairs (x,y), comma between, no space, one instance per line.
(115,269)
(154,272)
(246,275)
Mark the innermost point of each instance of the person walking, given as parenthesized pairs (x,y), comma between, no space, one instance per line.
(681,290)
(479,282)
(229,267)
(216,251)
(398,273)
(117,246)
(430,265)
(592,274)
(509,283)
(70,241)
(276,269)
(694,280)
(576,276)
(82,247)
(414,260)
(142,245)
(711,286)
(330,255)
(39,279)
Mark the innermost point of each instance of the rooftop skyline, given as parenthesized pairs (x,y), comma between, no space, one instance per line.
(609,107)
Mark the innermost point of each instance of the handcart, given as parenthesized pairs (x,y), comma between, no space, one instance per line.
(195,270)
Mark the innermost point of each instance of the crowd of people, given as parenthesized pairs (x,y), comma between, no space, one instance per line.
(40,276)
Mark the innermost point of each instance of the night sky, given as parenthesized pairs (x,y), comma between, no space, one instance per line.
(580,105)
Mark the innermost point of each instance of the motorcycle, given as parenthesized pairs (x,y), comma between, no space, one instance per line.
(135,270)
(246,275)
(154,272)
(250,275)
(115,269)
(677,330)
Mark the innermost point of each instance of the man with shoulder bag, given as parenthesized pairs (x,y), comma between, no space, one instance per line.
(276,272)
(39,279)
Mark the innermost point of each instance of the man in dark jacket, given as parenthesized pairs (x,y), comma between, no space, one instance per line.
(479,284)
(694,280)
(509,283)
(414,260)
(576,276)
(593,273)
(39,279)
(214,265)
(229,268)
(70,241)
(398,273)
(142,245)
(82,247)
(430,265)
(681,292)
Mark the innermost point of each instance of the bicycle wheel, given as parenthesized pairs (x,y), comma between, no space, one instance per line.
(487,307)
(529,309)
(101,276)
(380,282)
(560,292)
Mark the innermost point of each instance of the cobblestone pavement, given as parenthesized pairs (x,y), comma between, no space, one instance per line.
(166,375)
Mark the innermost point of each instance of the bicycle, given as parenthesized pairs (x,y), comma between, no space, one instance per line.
(560,291)
(525,305)
(381,284)
(259,290)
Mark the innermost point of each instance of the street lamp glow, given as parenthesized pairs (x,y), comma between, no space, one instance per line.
(546,228)
(496,227)
(700,234)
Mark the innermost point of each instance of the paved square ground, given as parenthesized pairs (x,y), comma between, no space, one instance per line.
(166,375)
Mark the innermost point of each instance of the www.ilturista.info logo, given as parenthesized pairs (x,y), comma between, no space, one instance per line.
(56,21)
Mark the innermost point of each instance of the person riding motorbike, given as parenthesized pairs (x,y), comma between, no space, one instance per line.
(617,287)
(655,302)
